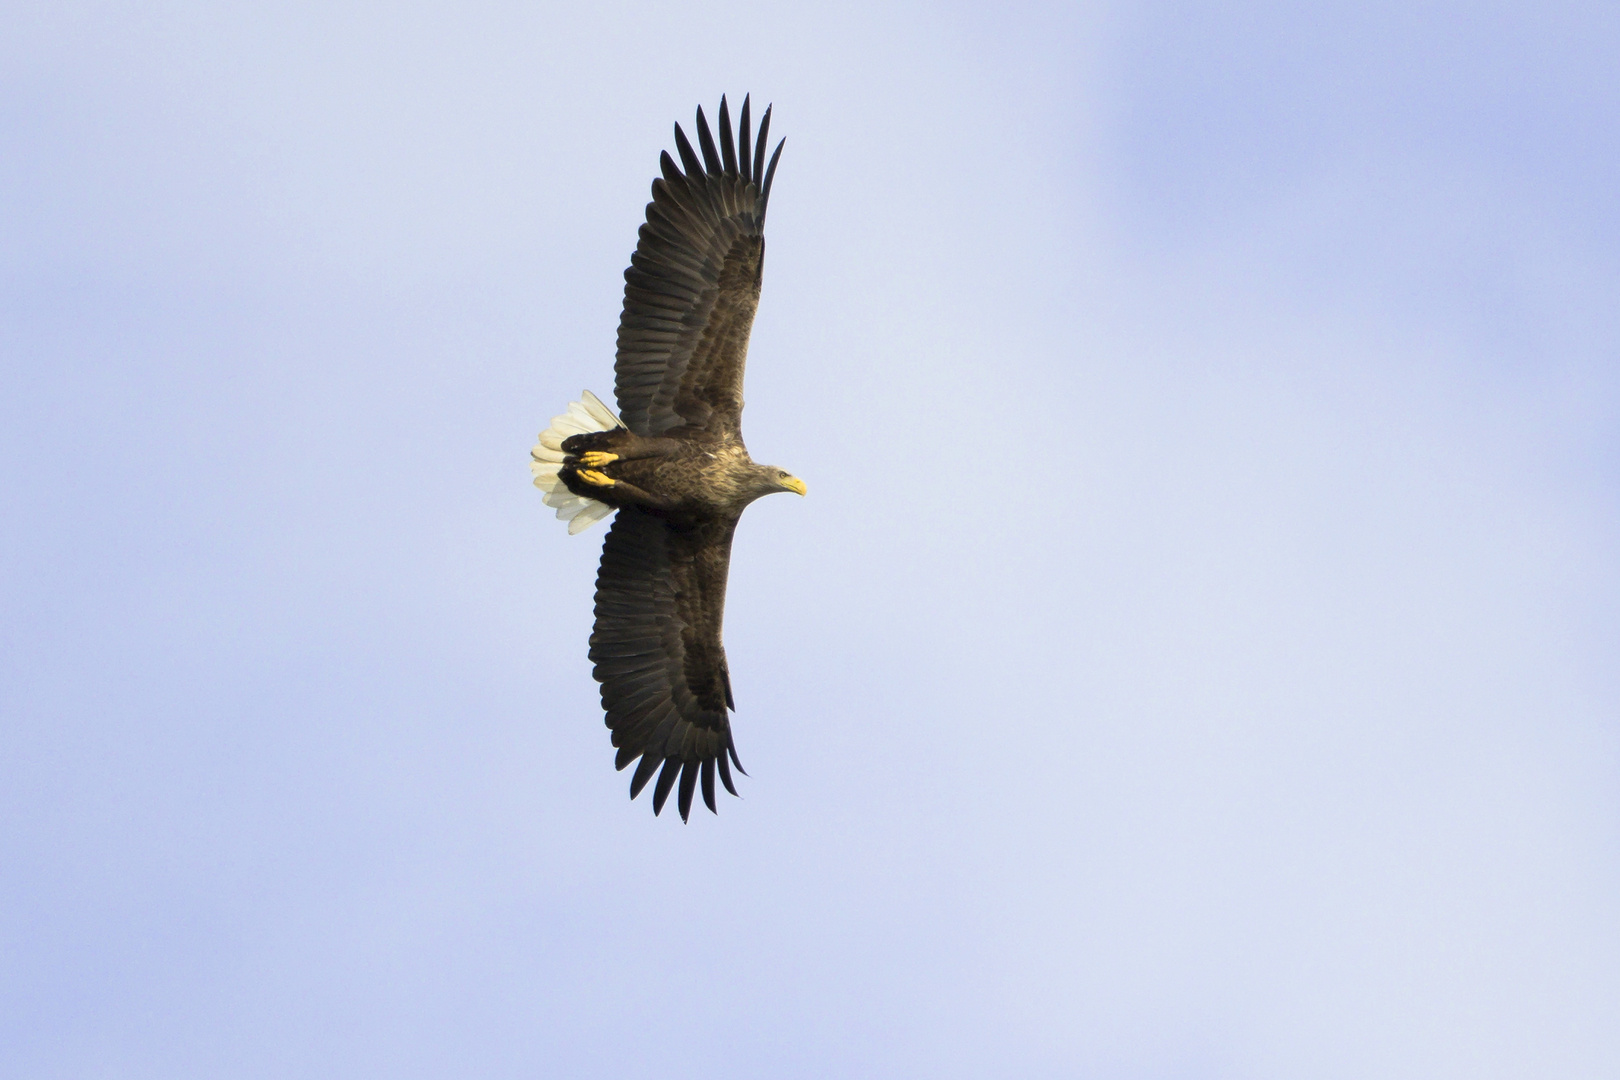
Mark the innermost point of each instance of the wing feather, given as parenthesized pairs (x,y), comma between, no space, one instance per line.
(708,785)
(689,159)
(660,601)
(693,283)
(763,142)
(666,780)
(649,765)
(728,150)
(711,160)
(689,775)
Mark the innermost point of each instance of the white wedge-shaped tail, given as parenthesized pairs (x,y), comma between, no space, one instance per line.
(584,415)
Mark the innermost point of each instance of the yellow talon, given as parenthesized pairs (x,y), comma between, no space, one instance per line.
(591,476)
(595,459)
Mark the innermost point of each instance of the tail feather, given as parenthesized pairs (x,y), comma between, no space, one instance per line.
(586,415)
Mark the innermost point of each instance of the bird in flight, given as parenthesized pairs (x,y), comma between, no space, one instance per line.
(672,463)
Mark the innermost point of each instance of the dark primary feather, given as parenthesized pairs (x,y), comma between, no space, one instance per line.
(660,597)
(711,160)
(759,147)
(728,152)
(693,284)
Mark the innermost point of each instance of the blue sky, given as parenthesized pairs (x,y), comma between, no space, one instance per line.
(1194,658)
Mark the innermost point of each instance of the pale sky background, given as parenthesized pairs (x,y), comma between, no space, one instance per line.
(1195,658)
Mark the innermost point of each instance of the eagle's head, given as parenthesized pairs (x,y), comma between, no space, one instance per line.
(768,479)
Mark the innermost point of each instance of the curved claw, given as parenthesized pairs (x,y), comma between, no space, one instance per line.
(591,476)
(595,459)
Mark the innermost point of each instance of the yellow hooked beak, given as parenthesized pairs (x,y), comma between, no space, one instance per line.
(794,484)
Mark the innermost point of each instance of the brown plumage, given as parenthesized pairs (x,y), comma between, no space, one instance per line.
(674,466)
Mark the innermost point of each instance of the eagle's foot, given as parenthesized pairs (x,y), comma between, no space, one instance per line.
(595,459)
(591,476)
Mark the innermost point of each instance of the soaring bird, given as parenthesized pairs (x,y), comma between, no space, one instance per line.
(672,463)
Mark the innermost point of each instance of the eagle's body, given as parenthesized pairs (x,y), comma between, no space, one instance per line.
(675,467)
(683,480)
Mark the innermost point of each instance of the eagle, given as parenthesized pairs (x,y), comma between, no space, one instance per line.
(672,461)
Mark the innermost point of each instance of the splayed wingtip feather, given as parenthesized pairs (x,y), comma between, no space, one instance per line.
(644,770)
(666,780)
(708,785)
(689,775)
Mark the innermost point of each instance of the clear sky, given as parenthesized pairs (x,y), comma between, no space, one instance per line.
(1195,657)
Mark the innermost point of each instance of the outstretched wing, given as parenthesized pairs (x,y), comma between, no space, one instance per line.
(693,284)
(660,598)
